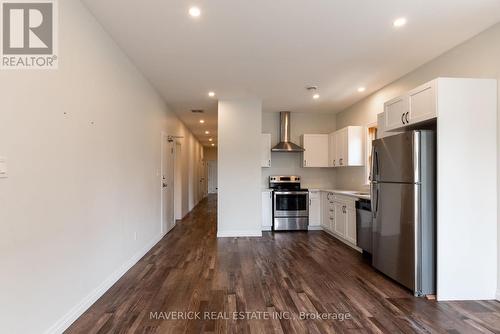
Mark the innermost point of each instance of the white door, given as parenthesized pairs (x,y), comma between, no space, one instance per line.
(167,185)
(212,177)
(203,179)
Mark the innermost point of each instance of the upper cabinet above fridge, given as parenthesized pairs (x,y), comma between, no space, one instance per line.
(416,106)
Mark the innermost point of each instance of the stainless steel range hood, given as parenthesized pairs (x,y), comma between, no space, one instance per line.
(285,145)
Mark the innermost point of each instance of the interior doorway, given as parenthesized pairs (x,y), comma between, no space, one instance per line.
(178,182)
(212,177)
(167,183)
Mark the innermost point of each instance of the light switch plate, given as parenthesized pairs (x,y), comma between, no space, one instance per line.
(3,167)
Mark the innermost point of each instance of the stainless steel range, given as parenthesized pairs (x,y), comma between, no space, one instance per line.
(290,204)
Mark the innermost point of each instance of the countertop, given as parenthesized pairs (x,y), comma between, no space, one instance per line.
(350,193)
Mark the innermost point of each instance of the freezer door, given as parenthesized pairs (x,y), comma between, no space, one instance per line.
(395,158)
(394,232)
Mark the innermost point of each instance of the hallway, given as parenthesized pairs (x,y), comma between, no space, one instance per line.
(273,278)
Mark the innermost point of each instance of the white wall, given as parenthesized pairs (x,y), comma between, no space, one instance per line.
(283,163)
(239,172)
(78,191)
(478,57)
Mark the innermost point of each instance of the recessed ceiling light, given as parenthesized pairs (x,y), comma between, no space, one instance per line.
(400,22)
(210,139)
(213,144)
(361,89)
(316,96)
(211,94)
(207,132)
(202,121)
(194,11)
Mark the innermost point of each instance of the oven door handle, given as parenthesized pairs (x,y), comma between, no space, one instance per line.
(291,192)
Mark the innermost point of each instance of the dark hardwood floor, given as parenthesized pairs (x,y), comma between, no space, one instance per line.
(274,279)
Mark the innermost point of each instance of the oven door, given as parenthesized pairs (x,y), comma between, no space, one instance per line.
(291,204)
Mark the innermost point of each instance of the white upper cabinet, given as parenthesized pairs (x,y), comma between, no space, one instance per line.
(396,112)
(347,147)
(316,150)
(423,103)
(332,150)
(416,106)
(265,160)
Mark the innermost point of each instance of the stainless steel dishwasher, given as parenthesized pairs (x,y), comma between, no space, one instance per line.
(364,222)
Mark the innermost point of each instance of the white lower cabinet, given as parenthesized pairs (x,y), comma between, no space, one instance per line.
(267,211)
(339,216)
(350,232)
(314,209)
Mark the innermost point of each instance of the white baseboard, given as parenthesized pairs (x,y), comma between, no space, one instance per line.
(74,313)
(498,295)
(267,228)
(314,228)
(236,234)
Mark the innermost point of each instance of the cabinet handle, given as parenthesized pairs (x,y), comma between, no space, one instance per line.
(269,163)
(305,162)
(341,161)
(403,118)
(334,162)
(406,117)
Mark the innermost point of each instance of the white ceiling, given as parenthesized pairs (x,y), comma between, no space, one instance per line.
(272,49)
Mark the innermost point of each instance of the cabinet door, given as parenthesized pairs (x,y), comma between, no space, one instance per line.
(340,219)
(267,210)
(325,219)
(332,151)
(316,150)
(351,225)
(354,146)
(340,147)
(395,112)
(265,160)
(314,209)
(423,104)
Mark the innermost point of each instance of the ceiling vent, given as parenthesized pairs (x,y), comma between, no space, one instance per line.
(197,111)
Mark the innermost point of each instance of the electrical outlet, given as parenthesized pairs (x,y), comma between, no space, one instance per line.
(3,168)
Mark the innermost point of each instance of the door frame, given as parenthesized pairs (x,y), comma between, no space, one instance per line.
(178,180)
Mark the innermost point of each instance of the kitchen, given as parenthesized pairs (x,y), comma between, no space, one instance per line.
(399,229)
(147,170)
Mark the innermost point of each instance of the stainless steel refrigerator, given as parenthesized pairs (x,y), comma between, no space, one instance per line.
(403,190)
